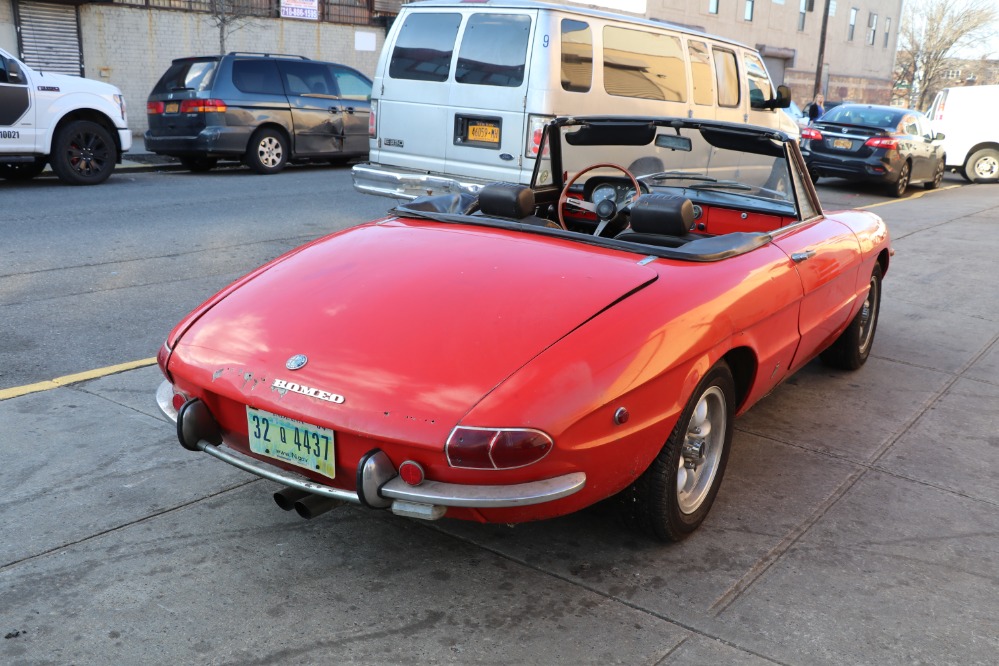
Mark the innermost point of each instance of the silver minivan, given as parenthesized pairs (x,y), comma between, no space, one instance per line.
(462,91)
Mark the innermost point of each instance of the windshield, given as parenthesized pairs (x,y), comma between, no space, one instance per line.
(724,161)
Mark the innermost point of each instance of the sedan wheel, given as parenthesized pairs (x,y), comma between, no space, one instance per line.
(983,166)
(853,346)
(899,187)
(938,175)
(83,153)
(672,498)
(267,152)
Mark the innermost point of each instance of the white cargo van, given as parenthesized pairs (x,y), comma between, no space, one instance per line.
(463,90)
(965,116)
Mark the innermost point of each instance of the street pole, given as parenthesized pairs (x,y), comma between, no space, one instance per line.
(822,50)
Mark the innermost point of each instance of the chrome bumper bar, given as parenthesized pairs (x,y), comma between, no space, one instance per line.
(379,484)
(401,184)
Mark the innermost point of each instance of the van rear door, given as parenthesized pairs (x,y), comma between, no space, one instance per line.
(486,115)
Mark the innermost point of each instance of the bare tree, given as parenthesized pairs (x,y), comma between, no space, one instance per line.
(931,34)
(229,16)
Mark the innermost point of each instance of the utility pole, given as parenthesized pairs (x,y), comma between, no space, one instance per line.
(822,50)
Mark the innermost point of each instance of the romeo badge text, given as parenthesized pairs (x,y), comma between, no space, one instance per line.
(285,385)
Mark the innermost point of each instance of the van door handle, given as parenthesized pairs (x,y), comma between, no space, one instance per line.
(799,257)
(349,109)
(334,110)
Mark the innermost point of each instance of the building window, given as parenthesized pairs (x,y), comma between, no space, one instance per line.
(749,9)
(853,24)
(802,12)
(712,6)
(872,28)
(887,30)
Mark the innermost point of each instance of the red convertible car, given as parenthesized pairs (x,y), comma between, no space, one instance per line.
(519,353)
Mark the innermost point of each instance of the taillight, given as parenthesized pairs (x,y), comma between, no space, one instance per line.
(535,129)
(203,106)
(372,123)
(154,108)
(811,133)
(496,448)
(882,142)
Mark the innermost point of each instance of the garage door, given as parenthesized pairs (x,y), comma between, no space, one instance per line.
(50,37)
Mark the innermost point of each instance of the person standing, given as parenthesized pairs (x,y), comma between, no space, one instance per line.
(815,109)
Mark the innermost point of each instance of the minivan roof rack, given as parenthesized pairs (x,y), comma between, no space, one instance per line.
(269,55)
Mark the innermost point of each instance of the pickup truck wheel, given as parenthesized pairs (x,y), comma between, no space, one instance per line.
(267,152)
(199,164)
(673,496)
(983,166)
(83,153)
(22,170)
(853,346)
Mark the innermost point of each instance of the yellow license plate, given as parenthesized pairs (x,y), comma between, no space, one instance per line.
(842,144)
(486,133)
(172,107)
(301,444)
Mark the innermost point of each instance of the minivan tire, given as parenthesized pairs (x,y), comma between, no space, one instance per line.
(267,152)
(83,153)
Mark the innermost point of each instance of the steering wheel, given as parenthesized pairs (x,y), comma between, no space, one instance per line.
(607,209)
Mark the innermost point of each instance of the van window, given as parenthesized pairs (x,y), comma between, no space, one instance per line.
(307,78)
(257,76)
(424,47)
(186,75)
(727,77)
(644,65)
(700,73)
(759,82)
(352,85)
(577,56)
(494,50)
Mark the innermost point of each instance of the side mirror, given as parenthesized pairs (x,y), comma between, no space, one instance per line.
(14,72)
(939,137)
(781,101)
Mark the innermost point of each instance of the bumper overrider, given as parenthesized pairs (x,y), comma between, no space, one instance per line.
(379,485)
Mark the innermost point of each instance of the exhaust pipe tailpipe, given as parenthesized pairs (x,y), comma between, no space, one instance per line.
(315,505)
(286,497)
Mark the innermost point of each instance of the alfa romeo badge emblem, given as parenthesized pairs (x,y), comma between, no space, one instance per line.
(296,361)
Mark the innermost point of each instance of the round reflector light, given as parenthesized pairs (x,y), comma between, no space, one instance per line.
(412,472)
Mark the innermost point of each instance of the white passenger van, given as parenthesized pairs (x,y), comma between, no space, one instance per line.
(965,116)
(463,90)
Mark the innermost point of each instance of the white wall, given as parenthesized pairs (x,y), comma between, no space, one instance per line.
(8,35)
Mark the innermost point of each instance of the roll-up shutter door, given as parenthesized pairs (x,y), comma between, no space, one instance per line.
(50,37)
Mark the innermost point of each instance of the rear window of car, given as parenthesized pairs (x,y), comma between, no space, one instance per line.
(888,119)
(494,50)
(257,76)
(424,47)
(194,75)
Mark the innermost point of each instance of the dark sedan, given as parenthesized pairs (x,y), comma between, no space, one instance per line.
(881,144)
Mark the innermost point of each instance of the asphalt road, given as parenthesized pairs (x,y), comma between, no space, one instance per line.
(858,522)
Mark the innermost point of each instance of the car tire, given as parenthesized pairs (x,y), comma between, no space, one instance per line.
(267,152)
(983,166)
(814,175)
(83,153)
(851,349)
(199,164)
(670,500)
(938,175)
(22,170)
(901,184)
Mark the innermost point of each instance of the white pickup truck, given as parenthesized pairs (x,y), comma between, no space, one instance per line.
(76,125)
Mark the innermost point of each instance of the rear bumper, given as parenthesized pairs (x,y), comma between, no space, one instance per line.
(409,184)
(378,483)
(873,168)
(209,142)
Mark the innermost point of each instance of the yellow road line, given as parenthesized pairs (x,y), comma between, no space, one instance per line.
(66,380)
(914,196)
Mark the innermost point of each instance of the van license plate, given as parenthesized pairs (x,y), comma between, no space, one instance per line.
(172,107)
(483,133)
(843,144)
(291,441)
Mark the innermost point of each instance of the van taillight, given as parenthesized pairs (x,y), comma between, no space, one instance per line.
(154,108)
(372,122)
(202,106)
(535,129)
